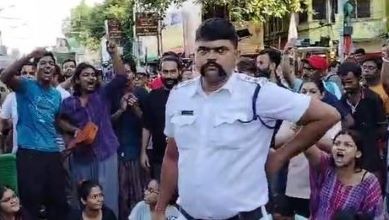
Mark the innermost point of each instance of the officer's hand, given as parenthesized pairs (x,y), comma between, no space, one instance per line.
(144,160)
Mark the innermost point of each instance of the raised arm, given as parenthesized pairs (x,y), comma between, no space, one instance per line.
(117,62)
(8,75)
(385,68)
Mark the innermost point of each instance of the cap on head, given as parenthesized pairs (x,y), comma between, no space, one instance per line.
(217,29)
(317,62)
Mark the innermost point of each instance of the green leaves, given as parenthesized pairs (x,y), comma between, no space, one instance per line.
(253,10)
(87,22)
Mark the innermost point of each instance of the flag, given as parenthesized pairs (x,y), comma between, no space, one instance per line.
(292,33)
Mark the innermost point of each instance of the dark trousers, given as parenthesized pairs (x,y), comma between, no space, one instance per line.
(41,180)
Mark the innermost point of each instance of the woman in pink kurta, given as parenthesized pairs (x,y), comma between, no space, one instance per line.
(339,184)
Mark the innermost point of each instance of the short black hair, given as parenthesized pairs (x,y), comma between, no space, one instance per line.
(246,64)
(360,50)
(85,188)
(377,61)
(69,60)
(217,29)
(172,57)
(131,63)
(347,67)
(274,55)
(46,54)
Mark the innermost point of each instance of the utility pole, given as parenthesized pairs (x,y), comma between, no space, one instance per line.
(341,30)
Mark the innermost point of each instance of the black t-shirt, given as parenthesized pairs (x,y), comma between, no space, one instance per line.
(154,121)
(369,116)
(107,214)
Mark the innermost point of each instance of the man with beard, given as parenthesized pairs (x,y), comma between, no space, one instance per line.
(154,115)
(219,135)
(41,176)
(368,112)
(68,68)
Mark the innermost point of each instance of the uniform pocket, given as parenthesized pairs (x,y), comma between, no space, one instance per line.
(184,130)
(228,130)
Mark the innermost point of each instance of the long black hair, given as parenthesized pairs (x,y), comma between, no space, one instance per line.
(77,73)
(3,189)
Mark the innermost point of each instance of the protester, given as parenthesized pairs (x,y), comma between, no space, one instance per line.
(371,73)
(91,103)
(68,68)
(247,66)
(297,186)
(28,70)
(359,55)
(92,199)
(145,210)
(127,122)
(141,79)
(268,64)
(188,73)
(154,115)
(215,135)
(316,67)
(338,182)
(10,208)
(41,177)
(333,76)
(368,112)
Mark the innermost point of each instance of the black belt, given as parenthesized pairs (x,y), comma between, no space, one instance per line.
(255,214)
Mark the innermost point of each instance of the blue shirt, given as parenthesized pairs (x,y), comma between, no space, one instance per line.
(37,110)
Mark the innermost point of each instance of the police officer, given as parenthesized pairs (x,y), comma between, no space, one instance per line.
(218,138)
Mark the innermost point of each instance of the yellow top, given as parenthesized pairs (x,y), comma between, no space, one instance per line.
(379,89)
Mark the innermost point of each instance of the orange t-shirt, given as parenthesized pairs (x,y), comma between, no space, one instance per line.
(379,89)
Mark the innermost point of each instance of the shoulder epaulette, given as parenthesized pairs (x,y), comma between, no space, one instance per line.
(185,83)
(257,80)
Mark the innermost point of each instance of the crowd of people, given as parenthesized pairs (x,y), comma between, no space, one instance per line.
(224,137)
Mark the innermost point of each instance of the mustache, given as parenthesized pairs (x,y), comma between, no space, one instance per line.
(213,63)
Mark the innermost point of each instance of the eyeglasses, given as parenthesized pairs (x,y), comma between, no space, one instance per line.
(308,68)
(368,67)
(6,200)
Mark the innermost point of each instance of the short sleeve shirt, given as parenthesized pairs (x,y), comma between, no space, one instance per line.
(221,150)
(38,108)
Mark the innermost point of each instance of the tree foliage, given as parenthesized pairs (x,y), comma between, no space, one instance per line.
(86,23)
(253,10)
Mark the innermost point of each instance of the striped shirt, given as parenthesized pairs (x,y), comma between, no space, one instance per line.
(329,195)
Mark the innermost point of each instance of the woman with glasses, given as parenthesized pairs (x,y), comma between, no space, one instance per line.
(295,204)
(145,210)
(10,208)
(92,202)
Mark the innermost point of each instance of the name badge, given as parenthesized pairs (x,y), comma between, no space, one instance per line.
(187,112)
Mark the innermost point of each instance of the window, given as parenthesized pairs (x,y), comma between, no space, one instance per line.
(319,9)
(361,8)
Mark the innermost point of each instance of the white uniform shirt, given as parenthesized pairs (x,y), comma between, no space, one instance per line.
(222,160)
